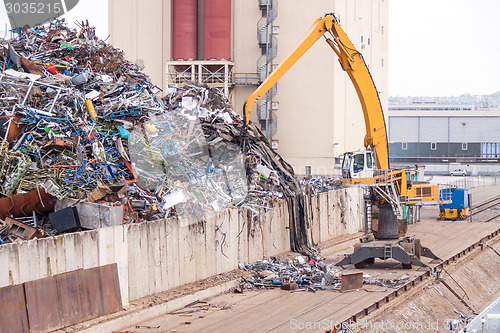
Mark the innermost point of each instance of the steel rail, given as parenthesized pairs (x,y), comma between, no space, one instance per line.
(417,280)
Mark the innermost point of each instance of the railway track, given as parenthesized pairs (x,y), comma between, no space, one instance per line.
(416,281)
(485,206)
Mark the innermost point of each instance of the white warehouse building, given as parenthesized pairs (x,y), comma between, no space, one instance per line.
(443,137)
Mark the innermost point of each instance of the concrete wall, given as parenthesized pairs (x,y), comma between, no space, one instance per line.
(156,256)
(139,28)
(336,213)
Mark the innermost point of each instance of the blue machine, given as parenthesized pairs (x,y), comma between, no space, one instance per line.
(458,209)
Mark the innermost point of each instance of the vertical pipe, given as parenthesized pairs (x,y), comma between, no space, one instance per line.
(172,29)
(449,143)
(226,79)
(201,19)
(418,137)
(185,29)
(268,69)
(217,29)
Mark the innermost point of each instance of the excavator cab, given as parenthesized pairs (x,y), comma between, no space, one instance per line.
(357,165)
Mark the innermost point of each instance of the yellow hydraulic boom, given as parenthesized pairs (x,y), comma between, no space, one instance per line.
(352,62)
(389,189)
(391,181)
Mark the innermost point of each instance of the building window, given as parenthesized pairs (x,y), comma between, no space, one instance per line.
(464,145)
(433,146)
(308,169)
(404,145)
(382,62)
(369,163)
(358,163)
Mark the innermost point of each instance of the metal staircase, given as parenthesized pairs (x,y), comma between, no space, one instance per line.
(386,189)
(269,46)
(369,217)
(388,251)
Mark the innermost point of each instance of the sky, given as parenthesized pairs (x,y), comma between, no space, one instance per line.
(96,11)
(444,47)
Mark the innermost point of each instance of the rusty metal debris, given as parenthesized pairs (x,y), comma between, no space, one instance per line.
(272,273)
(320,184)
(21,230)
(311,276)
(352,280)
(24,204)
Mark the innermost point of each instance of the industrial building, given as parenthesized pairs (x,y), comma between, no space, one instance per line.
(128,212)
(438,134)
(313,114)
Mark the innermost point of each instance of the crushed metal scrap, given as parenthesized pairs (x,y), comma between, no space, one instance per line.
(86,132)
(320,184)
(299,275)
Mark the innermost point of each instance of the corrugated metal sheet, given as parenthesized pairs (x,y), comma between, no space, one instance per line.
(468,129)
(13,316)
(403,129)
(489,130)
(433,129)
(25,204)
(185,28)
(43,305)
(465,129)
(72,297)
(217,29)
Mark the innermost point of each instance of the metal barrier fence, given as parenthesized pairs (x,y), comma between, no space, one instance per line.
(476,181)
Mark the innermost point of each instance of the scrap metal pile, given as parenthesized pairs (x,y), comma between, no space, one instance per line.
(84,131)
(320,184)
(299,275)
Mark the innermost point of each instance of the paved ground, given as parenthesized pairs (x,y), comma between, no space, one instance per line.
(281,311)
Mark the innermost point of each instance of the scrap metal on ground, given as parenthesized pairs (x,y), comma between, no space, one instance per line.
(299,275)
(319,184)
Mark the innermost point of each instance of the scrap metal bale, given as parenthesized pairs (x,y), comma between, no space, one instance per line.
(352,280)
(289,286)
(22,230)
(26,203)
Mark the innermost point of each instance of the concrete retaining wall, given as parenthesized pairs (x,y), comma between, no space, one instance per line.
(156,256)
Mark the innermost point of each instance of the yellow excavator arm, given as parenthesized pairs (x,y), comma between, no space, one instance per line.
(352,62)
